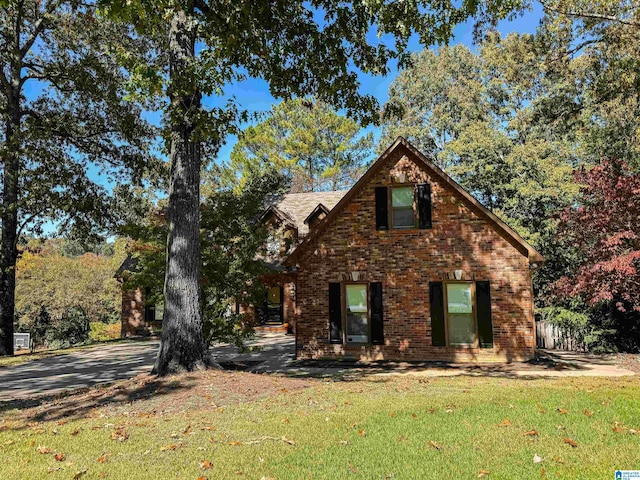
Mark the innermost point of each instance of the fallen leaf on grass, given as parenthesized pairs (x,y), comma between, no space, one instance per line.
(353,469)
(392,414)
(119,434)
(208,428)
(558,460)
(206,465)
(531,433)
(59,456)
(43,450)
(187,430)
(505,423)
(75,432)
(633,431)
(413,415)
(362,433)
(587,413)
(234,444)
(537,459)
(435,445)
(618,427)
(102,458)
(203,478)
(571,442)
(286,440)
(561,411)
(483,473)
(432,410)
(344,442)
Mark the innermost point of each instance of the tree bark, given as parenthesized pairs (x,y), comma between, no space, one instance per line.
(182,347)
(8,253)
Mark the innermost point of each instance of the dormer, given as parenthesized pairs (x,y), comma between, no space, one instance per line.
(316,215)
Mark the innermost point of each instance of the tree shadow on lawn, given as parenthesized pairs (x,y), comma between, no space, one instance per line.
(83,402)
(148,395)
(354,370)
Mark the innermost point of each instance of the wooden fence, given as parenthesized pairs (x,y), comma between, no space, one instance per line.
(554,337)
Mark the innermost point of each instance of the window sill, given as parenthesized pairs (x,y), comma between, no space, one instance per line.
(400,231)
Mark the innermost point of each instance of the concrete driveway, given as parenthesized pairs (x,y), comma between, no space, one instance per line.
(84,368)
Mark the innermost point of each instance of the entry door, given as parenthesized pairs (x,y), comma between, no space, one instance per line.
(274,306)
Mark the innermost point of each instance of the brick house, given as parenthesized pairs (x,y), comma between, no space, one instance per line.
(406,265)
(290,218)
(409,266)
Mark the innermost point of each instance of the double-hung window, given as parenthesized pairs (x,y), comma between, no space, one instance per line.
(403,206)
(402,212)
(461,313)
(357,313)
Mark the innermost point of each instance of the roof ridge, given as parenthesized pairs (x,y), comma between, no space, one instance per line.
(498,224)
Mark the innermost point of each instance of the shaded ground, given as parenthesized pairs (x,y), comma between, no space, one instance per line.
(146,395)
(84,368)
(274,354)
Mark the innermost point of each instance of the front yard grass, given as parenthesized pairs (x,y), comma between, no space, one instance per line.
(377,427)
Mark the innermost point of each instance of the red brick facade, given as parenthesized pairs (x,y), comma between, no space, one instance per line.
(462,237)
(133,321)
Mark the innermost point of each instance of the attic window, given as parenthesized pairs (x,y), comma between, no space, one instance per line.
(402,214)
(316,215)
(403,207)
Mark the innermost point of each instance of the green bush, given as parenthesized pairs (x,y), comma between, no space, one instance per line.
(72,329)
(102,332)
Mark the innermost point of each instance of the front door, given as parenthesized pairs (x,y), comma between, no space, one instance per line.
(273,309)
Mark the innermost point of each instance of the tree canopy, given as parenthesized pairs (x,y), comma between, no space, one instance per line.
(311,144)
(63,113)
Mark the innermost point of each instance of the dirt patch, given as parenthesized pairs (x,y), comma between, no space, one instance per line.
(149,395)
(629,361)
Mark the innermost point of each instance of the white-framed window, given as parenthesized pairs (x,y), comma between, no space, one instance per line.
(357,312)
(402,207)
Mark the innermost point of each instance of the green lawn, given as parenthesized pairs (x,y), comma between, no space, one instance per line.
(373,428)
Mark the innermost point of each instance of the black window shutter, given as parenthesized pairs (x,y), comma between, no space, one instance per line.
(377,331)
(424,205)
(483,306)
(149,313)
(436,298)
(335,314)
(382,213)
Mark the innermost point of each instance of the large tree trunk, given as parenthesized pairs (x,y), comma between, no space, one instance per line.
(8,254)
(183,347)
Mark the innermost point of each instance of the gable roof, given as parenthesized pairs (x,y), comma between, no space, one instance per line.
(502,228)
(295,208)
(315,212)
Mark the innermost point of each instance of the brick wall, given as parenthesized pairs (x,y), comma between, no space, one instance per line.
(133,313)
(405,261)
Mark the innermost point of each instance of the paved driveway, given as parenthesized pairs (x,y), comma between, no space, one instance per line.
(84,368)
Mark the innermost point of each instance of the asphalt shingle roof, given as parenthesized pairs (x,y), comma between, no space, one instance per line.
(298,206)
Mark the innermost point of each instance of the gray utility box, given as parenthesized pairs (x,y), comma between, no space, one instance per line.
(21,341)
